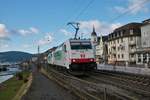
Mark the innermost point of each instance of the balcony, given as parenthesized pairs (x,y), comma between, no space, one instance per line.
(132,59)
(113,51)
(132,50)
(133,42)
(113,45)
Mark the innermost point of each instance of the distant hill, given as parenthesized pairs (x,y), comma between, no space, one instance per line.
(14,56)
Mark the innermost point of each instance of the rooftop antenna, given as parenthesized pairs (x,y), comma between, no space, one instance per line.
(75,25)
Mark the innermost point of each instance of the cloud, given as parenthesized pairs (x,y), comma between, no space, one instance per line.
(65,32)
(3,44)
(100,27)
(29,31)
(26,46)
(3,31)
(4,47)
(86,27)
(134,6)
(5,39)
(46,40)
(6,32)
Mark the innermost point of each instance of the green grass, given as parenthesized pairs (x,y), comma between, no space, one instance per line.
(12,86)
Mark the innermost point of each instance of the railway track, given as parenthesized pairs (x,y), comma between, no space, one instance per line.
(141,82)
(94,87)
(136,85)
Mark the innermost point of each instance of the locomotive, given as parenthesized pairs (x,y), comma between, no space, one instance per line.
(75,55)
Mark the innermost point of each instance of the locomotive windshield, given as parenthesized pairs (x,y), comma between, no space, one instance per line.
(80,45)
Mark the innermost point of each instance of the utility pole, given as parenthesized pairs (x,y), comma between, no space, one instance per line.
(38,58)
(75,25)
(82,35)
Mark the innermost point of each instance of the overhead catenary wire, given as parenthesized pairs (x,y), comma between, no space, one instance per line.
(84,9)
(112,20)
(70,18)
(129,10)
(76,16)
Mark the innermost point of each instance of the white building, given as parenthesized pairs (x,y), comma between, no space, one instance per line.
(143,51)
(94,37)
(122,44)
(101,49)
(94,40)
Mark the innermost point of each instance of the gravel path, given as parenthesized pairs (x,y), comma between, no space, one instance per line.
(44,89)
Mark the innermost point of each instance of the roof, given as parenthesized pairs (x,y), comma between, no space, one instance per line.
(93,33)
(104,38)
(124,31)
(132,25)
(146,21)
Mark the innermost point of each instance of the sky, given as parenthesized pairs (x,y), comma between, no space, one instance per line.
(25,24)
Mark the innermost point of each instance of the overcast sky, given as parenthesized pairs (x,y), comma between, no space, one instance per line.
(25,24)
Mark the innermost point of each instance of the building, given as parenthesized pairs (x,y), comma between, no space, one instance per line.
(122,44)
(101,49)
(94,40)
(94,37)
(143,51)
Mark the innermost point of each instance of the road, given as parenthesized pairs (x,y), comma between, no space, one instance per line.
(44,89)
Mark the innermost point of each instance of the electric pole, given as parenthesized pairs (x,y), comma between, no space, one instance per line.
(75,25)
(38,58)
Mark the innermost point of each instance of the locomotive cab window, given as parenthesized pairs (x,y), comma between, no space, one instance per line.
(80,45)
(64,48)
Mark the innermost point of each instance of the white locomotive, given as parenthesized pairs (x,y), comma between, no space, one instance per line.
(74,55)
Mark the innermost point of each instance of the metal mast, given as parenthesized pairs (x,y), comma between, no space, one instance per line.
(75,25)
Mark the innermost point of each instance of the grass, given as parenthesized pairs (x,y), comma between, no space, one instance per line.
(11,86)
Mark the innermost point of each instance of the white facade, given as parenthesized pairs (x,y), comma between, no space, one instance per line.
(101,50)
(122,50)
(143,52)
(94,41)
(122,44)
(145,36)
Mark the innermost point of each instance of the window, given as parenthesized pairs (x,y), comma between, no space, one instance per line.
(65,50)
(131,32)
(114,48)
(139,58)
(132,55)
(144,58)
(118,48)
(80,45)
(118,55)
(149,57)
(122,56)
(114,55)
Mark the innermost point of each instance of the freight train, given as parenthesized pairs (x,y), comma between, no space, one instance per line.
(75,55)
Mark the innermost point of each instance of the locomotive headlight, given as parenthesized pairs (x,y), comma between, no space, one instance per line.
(91,59)
(73,60)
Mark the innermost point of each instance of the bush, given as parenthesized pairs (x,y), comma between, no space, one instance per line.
(25,80)
(19,76)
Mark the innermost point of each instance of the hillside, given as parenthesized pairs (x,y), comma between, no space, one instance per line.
(14,56)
